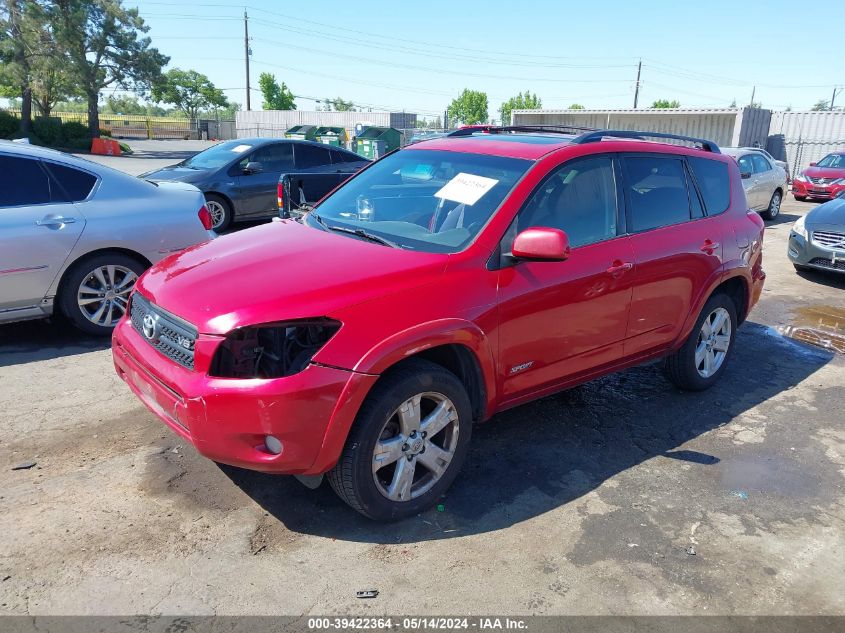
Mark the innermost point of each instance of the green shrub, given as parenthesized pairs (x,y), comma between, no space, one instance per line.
(49,130)
(78,144)
(9,125)
(105,132)
(74,130)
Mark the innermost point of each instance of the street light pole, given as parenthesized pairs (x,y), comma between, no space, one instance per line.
(246,56)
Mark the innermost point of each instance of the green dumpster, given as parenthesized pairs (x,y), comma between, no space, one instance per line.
(331,136)
(302,132)
(375,142)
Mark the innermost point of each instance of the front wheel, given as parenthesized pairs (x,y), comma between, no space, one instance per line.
(407,443)
(773,210)
(800,198)
(702,359)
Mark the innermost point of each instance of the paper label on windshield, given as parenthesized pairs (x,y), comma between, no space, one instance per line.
(466,188)
(239,149)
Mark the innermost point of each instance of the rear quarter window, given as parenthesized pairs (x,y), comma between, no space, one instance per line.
(76,183)
(713,182)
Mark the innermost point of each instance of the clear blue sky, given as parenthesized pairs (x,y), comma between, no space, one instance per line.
(418,56)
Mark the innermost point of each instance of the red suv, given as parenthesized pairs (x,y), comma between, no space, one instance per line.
(446,282)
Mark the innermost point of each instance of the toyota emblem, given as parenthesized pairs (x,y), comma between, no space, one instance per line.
(149,326)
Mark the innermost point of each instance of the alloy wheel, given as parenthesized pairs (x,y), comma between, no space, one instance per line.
(415,447)
(103,295)
(774,206)
(217,212)
(713,342)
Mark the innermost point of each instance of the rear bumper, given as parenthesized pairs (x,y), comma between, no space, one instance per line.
(816,192)
(228,419)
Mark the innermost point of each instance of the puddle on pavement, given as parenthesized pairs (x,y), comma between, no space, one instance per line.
(819,326)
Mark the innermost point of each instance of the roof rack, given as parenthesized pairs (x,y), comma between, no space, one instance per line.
(498,129)
(598,135)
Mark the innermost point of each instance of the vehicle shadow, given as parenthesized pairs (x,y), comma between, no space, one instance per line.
(830,279)
(782,218)
(540,456)
(31,341)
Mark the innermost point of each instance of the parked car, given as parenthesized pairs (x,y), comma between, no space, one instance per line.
(764,182)
(75,235)
(780,163)
(239,178)
(822,180)
(817,240)
(298,192)
(449,280)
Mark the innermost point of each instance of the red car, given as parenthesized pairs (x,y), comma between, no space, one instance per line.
(821,180)
(446,282)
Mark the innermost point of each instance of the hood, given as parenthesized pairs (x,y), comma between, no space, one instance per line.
(832,212)
(825,172)
(175,173)
(281,270)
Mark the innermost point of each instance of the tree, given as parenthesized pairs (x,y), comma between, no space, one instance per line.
(821,105)
(103,46)
(189,91)
(276,97)
(665,103)
(733,104)
(124,104)
(16,52)
(526,101)
(338,105)
(469,109)
(576,106)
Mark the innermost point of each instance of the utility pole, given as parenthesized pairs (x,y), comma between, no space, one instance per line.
(246,56)
(637,89)
(753,92)
(833,98)
(445,119)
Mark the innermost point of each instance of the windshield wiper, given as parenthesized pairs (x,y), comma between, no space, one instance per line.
(357,232)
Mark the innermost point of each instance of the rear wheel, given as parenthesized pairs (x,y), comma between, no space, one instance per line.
(702,359)
(220,211)
(95,294)
(407,444)
(774,206)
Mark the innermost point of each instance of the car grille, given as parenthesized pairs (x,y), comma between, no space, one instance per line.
(821,181)
(169,334)
(829,239)
(821,262)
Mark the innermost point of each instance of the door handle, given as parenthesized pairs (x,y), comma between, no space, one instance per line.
(618,267)
(59,221)
(709,247)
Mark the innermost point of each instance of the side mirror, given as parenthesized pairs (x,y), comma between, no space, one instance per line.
(745,175)
(813,164)
(253,167)
(541,244)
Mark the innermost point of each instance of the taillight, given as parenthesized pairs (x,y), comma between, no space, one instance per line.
(205,218)
(280,193)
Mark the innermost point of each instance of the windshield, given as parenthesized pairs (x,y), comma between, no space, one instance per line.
(217,156)
(425,200)
(832,160)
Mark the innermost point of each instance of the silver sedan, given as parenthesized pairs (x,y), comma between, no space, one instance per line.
(763,181)
(75,235)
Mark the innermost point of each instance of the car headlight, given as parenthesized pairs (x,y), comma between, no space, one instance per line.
(799,227)
(802,177)
(271,350)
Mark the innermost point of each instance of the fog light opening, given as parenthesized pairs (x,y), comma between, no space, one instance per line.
(273,444)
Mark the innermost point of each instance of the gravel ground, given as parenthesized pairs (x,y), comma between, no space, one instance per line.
(622,496)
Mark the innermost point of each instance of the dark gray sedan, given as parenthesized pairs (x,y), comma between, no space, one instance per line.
(817,240)
(239,178)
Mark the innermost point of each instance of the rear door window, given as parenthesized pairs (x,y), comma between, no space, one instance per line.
(312,156)
(23,181)
(77,184)
(656,190)
(713,182)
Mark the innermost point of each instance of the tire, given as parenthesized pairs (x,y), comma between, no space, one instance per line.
(220,210)
(773,209)
(800,198)
(683,367)
(379,422)
(103,281)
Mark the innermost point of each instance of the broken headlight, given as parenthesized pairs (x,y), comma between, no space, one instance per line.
(272,350)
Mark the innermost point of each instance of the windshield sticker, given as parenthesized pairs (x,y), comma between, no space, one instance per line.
(466,188)
(240,149)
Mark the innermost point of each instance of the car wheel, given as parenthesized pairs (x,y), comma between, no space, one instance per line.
(407,443)
(95,293)
(220,211)
(800,198)
(774,206)
(704,355)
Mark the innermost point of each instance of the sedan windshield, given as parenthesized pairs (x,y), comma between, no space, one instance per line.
(217,156)
(836,161)
(425,200)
